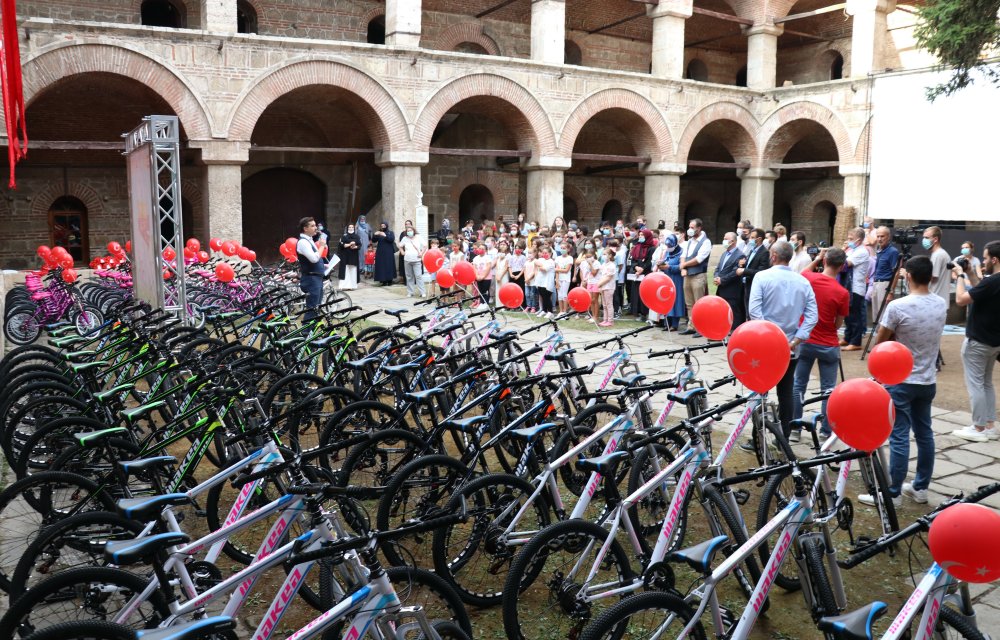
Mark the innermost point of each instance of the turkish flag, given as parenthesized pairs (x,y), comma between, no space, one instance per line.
(11,86)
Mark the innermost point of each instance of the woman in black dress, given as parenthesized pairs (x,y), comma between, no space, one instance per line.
(385,252)
(639,264)
(349,244)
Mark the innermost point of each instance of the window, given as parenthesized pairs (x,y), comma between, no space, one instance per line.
(471,47)
(376,30)
(246,17)
(572,54)
(68,227)
(697,70)
(611,211)
(163,13)
(741,77)
(837,67)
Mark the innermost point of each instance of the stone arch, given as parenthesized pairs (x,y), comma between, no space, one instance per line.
(371,14)
(583,204)
(646,127)
(607,194)
(472,32)
(64,61)
(742,127)
(488,179)
(861,150)
(521,113)
(775,146)
(43,200)
(382,116)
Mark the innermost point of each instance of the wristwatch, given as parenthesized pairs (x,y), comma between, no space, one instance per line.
(964,276)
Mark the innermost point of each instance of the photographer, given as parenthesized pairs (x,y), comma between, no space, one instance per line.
(886,259)
(982,342)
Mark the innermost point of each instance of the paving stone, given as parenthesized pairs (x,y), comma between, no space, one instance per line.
(968,459)
(961,482)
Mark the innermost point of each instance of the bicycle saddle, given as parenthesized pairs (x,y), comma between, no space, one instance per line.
(406,366)
(604,465)
(138,466)
(87,366)
(807,423)
(699,557)
(683,396)
(125,552)
(360,364)
(423,396)
(559,355)
(104,396)
(856,625)
(530,432)
(149,507)
(466,425)
(92,438)
(396,312)
(629,381)
(188,630)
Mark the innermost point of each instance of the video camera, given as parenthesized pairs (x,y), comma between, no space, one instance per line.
(907,236)
(814,249)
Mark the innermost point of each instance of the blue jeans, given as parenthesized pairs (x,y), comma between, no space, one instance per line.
(913,411)
(530,297)
(312,286)
(828,358)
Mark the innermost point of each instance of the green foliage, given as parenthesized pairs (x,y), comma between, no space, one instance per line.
(958,32)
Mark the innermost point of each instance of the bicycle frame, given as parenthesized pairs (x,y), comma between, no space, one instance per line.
(928,596)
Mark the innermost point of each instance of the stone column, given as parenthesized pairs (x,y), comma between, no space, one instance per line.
(669,17)
(548,31)
(401,189)
(402,23)
(218,16)
(868,34)
(545,195)
(223,191)
(662,194)
(757,196)
(762,52)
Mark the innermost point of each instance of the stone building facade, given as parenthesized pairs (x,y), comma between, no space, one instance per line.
(588,109)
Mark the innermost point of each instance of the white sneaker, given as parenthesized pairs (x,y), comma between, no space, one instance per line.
(917,495)
(409,295)
(549,315)
(864,498)
(539,314)
(795,435)
(974,434)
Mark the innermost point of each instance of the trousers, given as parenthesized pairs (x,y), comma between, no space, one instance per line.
(913,413)
(978,360)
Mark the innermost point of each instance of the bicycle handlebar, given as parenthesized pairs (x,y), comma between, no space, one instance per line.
(695,347)
(617,338)
(551,321)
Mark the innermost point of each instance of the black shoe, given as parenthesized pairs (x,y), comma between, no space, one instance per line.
(687,332)
(697,336)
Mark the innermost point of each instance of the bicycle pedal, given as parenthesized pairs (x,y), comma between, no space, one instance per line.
(201,513)
(742,496)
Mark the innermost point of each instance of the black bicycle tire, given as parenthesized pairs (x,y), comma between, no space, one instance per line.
(737,538)
(814,557)
(960,624)
(604,626)
(878,487)
(68,424)
(572,478)
(85,630)
(21,436)
(355,455)
(333,432)
(776,434)
(21,339)
(637,479)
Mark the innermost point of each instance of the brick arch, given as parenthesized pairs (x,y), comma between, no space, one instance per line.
(501,98)
(776,146)
(739,125)
(378,110)
(489,179)
(861,150)
(137,11)
(371,14)
(642,123)
(583,204)
(606,194)
(43,200)
(472,32)
(68,60)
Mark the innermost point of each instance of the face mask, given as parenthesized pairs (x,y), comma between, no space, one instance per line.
(588,246)
(531,227)
(690,232)
(545,256)
(767,244)
(605,232)
(965,251)
(851,245)
(480,252)
(795,245)
(572,225)
(517,252)
(641,240)
(409,233)
(866,225)
(752,242)
(350,230)
(926,243)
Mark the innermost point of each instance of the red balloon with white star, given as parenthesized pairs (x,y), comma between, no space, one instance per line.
(758,354)
(963,540)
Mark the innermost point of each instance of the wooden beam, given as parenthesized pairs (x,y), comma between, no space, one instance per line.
(722,16)
(611,167)
(499,153)
(496,7)
(601,157)
(72,145)
(801,34)
(809,14)
(503,162)
(705,164)
(805,165)
(641,14)
(313,149)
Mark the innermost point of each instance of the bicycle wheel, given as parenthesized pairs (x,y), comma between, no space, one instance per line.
(85,630)
(364,417)
(548,574)
(814,558)
(648,514)
(77,541)
(775,497)
(413,492)
(87,320)
(644,615)
(584,425)
(722,521)
(447,631)
(769,442)
(473,556)
(952,624)
(34,416)
(82,594)
(20,325)
(373,463)
(876,481)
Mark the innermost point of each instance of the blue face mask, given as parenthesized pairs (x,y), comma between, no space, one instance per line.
(851,245)
(965,251)
(926,243)
(641,240)
(866,225)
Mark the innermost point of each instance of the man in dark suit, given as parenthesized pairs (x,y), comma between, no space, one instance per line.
(728,285)
(757,260)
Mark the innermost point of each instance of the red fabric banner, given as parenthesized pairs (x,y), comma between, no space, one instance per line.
(12,87)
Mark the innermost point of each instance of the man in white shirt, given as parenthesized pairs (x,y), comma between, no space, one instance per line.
(801,260)
(312,267)
(857,259)
(413,248)
(694,267)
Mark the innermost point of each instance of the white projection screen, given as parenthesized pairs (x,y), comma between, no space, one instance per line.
(934,160)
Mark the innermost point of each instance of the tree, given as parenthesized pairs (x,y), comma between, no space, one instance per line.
(959,32)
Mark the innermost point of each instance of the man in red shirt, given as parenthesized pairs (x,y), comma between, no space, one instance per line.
(823,346)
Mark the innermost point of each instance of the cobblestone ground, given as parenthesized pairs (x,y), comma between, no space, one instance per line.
(959,466)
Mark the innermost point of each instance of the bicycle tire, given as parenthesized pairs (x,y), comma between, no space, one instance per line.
(814,557)
(34,416)
(617,622)
(73,583)
(529,596)
(772,446)
(44,445)
(85,630)
(413,492)
(87,320)
(372,463)
(584,424)
(746,573)
(485,498)
(772,501)
(362,417)
(20,326)
(447,631)
(877,483)
(655,505)
(962,625)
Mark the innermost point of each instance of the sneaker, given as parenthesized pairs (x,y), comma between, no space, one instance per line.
(864,498)
(409,295)
(975,434)
(548,316)
(747,445)
(917,495)
(540,314)
(795,435)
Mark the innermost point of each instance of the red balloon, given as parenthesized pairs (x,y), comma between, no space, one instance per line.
(465,274)
(434,260)
(128,246)
(861,413)
(66,261)
(758,354)
(69,275)
(292,244)
(445,278)
(193,244)
(658,292)
(242,253)
(224,272)
(189,253)
(43,251)
(169,253)
(890,362)
(324,251)
(215,244)
(167,274)
(712,317)
(963,540)
(114,247)
(251,255)
(579,299)
(510,295)
(203,257)
(229,248)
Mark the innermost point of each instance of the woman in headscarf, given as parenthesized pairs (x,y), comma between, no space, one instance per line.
(385,252)
(349,258)
(445,231)
(671,265)
(364,231)
(639,265)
